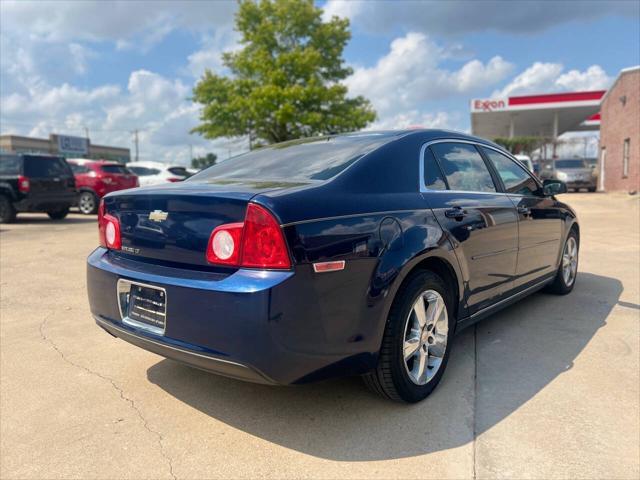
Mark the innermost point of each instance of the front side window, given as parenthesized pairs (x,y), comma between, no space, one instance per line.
(513,176)
(463,167)
(144,171)
(78,169)
(117,169)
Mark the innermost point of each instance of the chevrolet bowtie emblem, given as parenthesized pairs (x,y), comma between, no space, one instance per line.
(158,216)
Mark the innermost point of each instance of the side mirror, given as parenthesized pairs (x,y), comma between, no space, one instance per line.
(553,187)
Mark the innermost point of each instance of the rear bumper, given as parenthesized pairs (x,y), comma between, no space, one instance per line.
(44,203)
(263,326)
(202,361)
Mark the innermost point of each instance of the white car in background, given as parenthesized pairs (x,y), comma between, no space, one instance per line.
(154,173)
(526,160)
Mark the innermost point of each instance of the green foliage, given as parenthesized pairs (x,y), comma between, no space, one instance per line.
(204,162)
(285,80)
(518,145)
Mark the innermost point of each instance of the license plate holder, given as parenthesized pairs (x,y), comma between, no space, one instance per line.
(143,306)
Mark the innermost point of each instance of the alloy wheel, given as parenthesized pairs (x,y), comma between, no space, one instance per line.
(570,261)
(87,203)
(425,337)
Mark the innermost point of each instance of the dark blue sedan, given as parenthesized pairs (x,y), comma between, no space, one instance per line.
(357,254)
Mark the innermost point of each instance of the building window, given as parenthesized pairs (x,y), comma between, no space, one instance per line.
(625,157)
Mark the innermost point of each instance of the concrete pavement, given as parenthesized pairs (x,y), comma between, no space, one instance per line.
(548,388)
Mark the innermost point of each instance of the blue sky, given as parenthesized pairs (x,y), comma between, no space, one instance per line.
(117,66)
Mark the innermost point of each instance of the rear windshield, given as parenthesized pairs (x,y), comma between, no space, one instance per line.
(144,171)
(179,171)
(115,169)
(570,163)
(75,168)
(9,165)
(319,158)
(39,167)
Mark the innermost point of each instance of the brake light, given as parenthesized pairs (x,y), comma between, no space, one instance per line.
(258,242)
(108,229)
(23,184)
(173,179)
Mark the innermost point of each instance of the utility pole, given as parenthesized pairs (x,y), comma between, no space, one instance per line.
(191,154)
(86,132)
(135,140)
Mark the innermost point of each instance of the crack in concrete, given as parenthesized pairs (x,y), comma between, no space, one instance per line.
(475,396)
(116,387)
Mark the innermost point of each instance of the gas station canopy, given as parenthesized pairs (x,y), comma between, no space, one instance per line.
(547,115)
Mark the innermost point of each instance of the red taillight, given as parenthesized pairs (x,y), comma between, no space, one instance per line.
(256,243)
(173,179)
(224,244)
(108,229)
(23,184)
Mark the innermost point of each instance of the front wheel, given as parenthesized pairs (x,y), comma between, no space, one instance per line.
(87,203)
(417,340)
(58,214)
(565,278)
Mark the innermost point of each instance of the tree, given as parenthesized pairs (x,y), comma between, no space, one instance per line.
(204,162)
(284,82)
(518,145)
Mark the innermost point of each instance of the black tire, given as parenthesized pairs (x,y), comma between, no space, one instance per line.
(58,214)
(87,203)
(592,189)
(560,285)
(7,211)
(391,378)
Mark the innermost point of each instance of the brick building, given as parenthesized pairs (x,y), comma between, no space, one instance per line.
(619,162)
(63,145)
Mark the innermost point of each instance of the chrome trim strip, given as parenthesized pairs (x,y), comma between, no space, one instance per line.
(511,297)
(164,345)
(555,240)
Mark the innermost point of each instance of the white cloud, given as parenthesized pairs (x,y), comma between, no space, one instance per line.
(130,23)
(459,17)
(209,56)
(549,77)
(417,118)
(411,73)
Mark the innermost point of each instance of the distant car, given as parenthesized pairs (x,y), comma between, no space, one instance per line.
(336,255)
(526,161)
(575,172)
(35,183)
(154,173)
(96,178)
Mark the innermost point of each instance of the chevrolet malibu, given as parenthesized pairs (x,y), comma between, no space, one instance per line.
(356,254)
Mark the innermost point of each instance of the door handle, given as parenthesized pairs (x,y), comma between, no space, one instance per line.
(524,211)
(456,212)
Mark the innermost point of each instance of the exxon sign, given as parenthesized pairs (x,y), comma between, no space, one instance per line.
(488,105)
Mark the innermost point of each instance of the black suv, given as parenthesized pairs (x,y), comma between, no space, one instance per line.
(35,183)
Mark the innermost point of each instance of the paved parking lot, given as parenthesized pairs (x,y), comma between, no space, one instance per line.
(548,388)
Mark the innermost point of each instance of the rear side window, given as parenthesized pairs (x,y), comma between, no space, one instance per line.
(463,167)
(144,171)
(432,174)
(115,169)
(45,167)
(9,165)
(76,169)
(515,179)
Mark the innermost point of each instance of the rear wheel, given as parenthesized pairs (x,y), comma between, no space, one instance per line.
(88,203)
(568,270)
(7,212)
(592,189)
(417,340)
(58,214)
